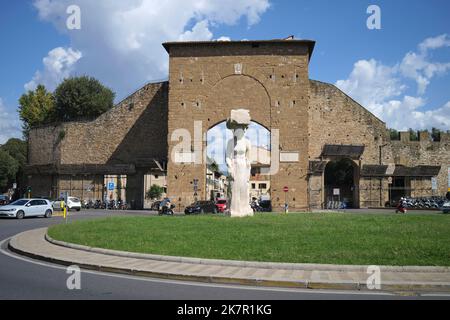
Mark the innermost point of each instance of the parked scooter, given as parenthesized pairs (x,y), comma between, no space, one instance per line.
(166,209)
(401,206)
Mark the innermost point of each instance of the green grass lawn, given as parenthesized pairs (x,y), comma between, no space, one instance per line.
(422,240)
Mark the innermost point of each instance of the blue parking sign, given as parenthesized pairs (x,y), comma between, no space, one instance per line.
(111,186)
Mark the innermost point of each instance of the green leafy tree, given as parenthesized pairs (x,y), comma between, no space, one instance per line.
(17,149)
(413,135)
(155,192)
(36,108)
(214,167)
(82,97)
(8,169)
(394,134)
(436,134)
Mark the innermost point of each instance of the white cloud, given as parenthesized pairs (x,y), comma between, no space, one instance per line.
(199,31)
(58,64)
(223,38)
(9,124)
(417,66)
(435,43)
(121,40)
(371,82)
(382,88)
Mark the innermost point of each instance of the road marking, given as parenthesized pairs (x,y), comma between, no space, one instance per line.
(187,283)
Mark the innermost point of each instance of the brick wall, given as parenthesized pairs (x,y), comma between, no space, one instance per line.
(133,132)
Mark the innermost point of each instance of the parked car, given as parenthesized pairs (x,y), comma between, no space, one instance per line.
(265,205)
(72,204)
(221,205)
(446,207)
(201,207)
(3,200)
(155,206)
(27,208)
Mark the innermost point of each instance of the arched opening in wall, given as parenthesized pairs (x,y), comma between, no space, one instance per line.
(217,175)
(341,184)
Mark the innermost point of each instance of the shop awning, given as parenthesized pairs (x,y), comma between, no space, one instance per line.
(399,171)
(352,152)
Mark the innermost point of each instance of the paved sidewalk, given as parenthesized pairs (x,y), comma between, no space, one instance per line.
(395,279)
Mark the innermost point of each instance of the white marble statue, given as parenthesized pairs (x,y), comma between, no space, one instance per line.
(239,163)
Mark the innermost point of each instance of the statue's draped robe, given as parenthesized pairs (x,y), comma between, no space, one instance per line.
(240,201)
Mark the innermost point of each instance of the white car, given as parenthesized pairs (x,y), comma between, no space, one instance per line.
(446,207)
(72,204)
(27,208)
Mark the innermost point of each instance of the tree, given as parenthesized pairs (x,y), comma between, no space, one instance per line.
(36,108)
(17,149)
(394,134)
(214,167)
(155,192)
(436,134)
(413,135)
(82,97)
(8,169)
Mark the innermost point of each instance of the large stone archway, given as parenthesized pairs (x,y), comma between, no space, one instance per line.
(238,92)
(206,84)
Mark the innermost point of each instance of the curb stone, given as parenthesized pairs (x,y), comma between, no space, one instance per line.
(396,287)
(249,264)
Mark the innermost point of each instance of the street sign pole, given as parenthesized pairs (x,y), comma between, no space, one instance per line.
(195,190)
(286,205)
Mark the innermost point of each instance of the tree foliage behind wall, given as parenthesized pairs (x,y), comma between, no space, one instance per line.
(414,134)
(74,99)
(82,97)
(36,108)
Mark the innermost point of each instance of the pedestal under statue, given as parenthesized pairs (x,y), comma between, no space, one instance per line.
(239,163)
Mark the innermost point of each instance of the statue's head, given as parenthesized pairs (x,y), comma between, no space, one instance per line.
(239,119)
(239,133)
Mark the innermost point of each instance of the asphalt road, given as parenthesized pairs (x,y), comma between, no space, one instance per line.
(23,278)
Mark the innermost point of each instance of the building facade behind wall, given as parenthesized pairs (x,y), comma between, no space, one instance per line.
(318,128)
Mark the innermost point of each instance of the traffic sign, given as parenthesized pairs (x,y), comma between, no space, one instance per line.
(434,183)
(286,189)
(111,186)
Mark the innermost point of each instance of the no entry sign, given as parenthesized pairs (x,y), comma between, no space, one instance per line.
(286,189)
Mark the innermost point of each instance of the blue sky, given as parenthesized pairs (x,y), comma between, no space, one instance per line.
(401,72)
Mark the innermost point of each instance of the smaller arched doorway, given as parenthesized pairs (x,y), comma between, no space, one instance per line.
(341,180)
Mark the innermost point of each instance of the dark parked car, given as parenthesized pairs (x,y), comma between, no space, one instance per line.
(265,206)
(3,200)
(201,207)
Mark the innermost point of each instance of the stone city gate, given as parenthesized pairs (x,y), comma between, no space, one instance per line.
(209,79)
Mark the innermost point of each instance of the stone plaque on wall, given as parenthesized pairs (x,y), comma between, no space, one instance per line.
(289,157)
(238,68)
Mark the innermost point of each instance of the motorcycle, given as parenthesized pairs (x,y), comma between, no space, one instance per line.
(166,210)
(256,207)
(401,208)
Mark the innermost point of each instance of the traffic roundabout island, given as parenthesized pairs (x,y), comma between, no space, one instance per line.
(324,238)
(326,251)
